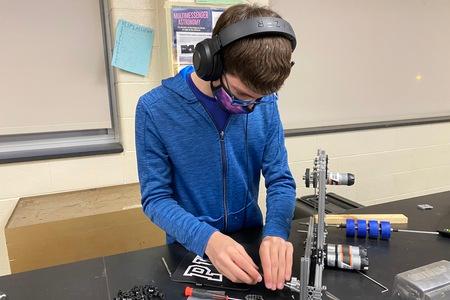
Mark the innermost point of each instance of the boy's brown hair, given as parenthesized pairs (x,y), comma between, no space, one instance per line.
(261,63)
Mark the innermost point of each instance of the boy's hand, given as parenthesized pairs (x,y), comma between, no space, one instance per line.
(231,260)
(276,259)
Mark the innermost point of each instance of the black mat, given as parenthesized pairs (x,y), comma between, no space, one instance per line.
(195,270)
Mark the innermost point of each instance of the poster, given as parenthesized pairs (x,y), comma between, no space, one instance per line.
(186,42)
(190,26)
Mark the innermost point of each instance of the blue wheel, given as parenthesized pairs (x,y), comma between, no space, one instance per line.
(350,228)
(385,230)
(373,229)
(362,228)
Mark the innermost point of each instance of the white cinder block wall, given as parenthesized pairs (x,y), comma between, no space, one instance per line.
(390,164)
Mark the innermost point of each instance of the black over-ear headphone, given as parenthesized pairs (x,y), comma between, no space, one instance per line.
(207,58)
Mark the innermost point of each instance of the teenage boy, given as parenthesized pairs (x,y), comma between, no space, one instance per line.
(203,138)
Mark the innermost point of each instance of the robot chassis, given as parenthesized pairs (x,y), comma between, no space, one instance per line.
(317,253)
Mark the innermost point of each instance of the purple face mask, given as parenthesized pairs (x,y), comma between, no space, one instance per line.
(230,103)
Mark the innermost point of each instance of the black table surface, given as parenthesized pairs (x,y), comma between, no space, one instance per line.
(103,277)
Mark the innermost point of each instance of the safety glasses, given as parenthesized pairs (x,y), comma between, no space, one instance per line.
(236,101)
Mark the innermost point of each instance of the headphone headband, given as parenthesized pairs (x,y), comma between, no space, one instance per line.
(207,59)
(256,26)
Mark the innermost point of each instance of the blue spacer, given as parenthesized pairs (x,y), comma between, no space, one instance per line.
(385,230)
(362,228)
(373,229)
(350,228)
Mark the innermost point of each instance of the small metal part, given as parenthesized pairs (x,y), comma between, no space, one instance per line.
(385,289)
(253,297)
(302,231)
(3,296)
(424,206)
(304,223)
(293,289)
(167,267)
(331,296)
(141,292)
(293,285)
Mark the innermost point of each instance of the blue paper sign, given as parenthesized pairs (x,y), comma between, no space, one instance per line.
(133,47)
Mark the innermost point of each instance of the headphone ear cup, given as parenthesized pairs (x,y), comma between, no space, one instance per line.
(217,70)
(203,59)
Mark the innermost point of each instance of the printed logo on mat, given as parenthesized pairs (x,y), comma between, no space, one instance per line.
(201,268)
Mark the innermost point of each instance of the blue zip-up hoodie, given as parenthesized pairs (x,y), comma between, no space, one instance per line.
(196,180)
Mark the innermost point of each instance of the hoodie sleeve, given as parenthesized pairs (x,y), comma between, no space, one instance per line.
(155,176)
(280,185)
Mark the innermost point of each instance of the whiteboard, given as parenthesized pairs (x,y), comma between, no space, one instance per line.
(366,61)
(53,73)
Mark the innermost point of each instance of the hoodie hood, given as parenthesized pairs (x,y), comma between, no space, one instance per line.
(178,84)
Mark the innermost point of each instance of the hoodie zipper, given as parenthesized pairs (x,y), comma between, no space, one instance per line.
(224,178)
(224,166)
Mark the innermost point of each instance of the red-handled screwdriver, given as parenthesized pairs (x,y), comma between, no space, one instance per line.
(206,294)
